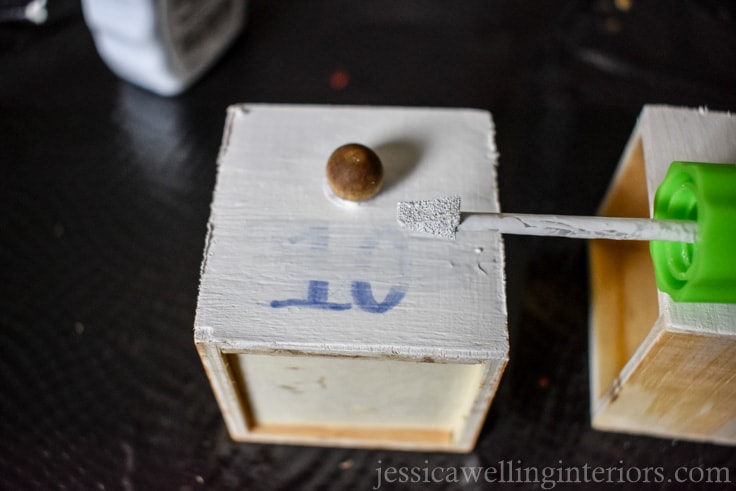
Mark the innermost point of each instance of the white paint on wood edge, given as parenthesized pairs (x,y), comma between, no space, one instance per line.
(270,186)
(277,245)
(669,134)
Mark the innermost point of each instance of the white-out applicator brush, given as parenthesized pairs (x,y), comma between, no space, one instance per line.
(442,217)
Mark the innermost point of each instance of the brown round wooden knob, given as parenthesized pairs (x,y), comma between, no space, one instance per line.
(354,172)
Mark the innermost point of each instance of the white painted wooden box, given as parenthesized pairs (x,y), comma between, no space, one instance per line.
(660,367)
(323,323)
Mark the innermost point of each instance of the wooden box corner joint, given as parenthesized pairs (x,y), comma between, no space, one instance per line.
(659,367)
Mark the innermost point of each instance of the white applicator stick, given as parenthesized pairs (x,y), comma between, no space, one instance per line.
(442,217)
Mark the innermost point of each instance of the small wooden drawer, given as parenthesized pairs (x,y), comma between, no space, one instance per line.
(323,322)
(660,367)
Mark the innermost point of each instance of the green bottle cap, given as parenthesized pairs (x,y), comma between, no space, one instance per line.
(704,271)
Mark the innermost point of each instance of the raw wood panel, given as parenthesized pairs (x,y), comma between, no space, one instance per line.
(684,386)
(295,280)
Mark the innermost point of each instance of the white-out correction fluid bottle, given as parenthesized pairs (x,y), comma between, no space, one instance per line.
(163,45)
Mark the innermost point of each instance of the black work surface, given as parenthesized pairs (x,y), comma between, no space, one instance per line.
(105,193)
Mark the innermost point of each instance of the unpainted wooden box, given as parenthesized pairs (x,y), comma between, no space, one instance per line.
(324,323)
(660,367)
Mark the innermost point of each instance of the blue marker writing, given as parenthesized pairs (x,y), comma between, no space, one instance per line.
(362,292)
(363,296)
(316,299)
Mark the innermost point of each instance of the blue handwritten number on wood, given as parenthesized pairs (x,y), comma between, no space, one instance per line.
(363,296)
(316,299)
(317,294)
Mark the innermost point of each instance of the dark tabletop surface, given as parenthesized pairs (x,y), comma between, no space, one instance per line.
(105,193)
